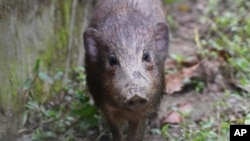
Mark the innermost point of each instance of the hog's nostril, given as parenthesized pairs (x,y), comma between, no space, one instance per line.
(130,103)
(143,101)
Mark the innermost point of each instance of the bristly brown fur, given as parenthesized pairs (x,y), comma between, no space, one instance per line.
(129,86)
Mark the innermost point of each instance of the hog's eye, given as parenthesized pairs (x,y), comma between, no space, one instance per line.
(113,60)
(146,56)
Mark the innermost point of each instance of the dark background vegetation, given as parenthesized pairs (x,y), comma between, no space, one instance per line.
(43,94)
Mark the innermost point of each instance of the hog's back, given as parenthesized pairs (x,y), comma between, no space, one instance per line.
(151,10)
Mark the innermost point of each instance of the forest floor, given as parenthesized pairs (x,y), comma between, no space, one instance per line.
(193,110)
(201,99)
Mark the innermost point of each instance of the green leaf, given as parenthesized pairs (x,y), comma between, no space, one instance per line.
(177,57)
(27,84)
(247,122)
(155,131)
(32,105)
(164,131)
(45,77)
(50,134)
(58,75)
(25,117)
(37,65)
(208,124)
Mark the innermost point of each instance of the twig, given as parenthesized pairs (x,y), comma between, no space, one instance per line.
(88,7)
(25,130)
(99,137)
(71,28)
(70,127)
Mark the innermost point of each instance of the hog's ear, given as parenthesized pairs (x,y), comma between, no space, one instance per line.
(90,44)
(161,37)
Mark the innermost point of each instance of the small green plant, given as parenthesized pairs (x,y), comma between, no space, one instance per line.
(164,131)
(178,58)
(247,120)
(199,85)
(67,107)
(229,31)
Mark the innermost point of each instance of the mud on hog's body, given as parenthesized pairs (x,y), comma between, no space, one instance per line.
(126,45)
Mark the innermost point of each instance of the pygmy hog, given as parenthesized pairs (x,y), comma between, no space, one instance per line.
(126,45)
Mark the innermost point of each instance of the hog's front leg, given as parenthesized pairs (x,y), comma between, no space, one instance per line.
(115,127)
(136,130)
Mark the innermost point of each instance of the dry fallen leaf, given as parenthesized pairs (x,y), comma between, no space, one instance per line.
(223,54)
(172,118)
(174,81)
(185,107)
(170,64)
(188,62)
(191,61)
(187,72)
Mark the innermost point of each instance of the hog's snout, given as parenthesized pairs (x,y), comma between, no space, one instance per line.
(136,102)
(136,98)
